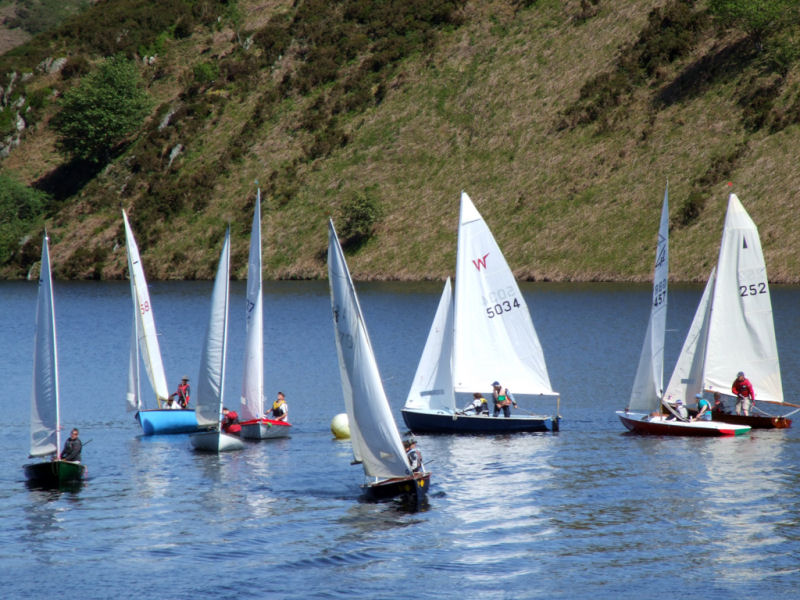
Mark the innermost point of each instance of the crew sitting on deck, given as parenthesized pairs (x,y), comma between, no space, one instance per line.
(479,405)
(680,411)
(280,410)
(230,422)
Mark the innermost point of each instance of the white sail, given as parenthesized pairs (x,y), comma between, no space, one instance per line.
(145,323)
(432,388)
(253,376)
(687,377)
(211,381)
(373,433)
(45,419)
(648,385)
(742,335)
(133,399)
(494,335)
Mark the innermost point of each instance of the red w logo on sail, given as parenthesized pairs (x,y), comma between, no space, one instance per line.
(481,262)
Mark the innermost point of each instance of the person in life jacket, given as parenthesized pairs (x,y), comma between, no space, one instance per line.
(280,410)
(183,393)
(479,405)
(745,394)
(230,422)
(502,399)
(413,454)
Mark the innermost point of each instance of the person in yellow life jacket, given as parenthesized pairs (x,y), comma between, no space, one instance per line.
(479,405)
(280,410)
(502,400)
(183,393)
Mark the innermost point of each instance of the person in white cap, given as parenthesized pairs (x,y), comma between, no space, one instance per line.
(502,399)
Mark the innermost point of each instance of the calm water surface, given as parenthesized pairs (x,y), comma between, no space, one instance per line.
(588,512)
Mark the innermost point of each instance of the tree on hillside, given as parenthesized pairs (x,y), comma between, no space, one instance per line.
(20,208)
(101,111)
(758,18)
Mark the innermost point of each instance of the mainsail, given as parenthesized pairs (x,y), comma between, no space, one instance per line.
(253,376)
(373,433)
(45,435)
(211,381)
(494,335)
(741,333)
(648,384)
(145,330)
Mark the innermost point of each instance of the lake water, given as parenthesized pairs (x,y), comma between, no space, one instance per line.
(589,512)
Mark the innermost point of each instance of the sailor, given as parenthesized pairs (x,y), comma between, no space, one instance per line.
(502,399)
(72,448)
(280,410)
(182,393)
(703,409)
(413,454)
(681,411)
(479,405)
(230,422)
(745,394)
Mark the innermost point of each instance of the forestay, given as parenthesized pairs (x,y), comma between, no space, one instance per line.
(145,330)
(45,436)
(741,335)
(494,335)
(432,388)
(373,433)
(648,385)
(253,376)
(211,380)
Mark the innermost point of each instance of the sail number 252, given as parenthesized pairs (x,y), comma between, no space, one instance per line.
(754,289)
(500,301)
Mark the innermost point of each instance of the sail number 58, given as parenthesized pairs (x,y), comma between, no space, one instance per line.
(144,307)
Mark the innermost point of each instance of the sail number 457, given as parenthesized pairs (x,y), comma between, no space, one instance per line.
(753,289)
(500,301)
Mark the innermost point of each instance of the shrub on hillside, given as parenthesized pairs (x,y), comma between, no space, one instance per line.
(21,207)
(101,111)
(359,214)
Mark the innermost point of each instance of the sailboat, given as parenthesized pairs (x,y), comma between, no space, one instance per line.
(145,348)
(741,332)
(254,424)
(45,407)
(211,381)
(644,412)
(485,333)
(373,432)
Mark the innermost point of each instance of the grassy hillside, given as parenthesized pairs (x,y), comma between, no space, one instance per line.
(562,120)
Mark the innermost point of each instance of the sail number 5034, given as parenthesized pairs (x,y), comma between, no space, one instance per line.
(754,289)
(500,301)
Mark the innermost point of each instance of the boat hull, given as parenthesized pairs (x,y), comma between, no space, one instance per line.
(641,423)
(55,473)
(215,441)
(265,429)
(160,421)
(411,490)
(754,421)
(427,422)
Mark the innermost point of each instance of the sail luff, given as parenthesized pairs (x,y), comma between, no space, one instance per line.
(741,332)
(373,432)
(211,379)
(648,384)
(146,326)
(45,410)
(494,335)
(252,401)
(133,398)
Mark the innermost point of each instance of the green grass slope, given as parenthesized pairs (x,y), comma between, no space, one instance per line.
(562,120)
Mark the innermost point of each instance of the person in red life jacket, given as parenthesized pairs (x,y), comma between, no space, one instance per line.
(230,422)
(183,393)
(745,394)
(280,410)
